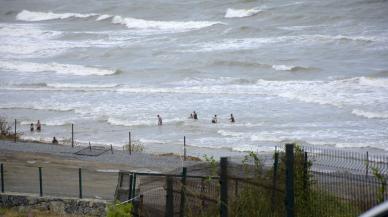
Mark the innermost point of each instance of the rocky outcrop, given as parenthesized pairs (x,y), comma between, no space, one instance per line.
(24,202)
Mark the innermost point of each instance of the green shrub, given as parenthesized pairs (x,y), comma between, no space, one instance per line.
(120,210)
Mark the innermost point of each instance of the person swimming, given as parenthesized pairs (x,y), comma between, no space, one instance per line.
(232,120)
(195,116)
(160,122)
(32,127)
(55,141)
(214,120)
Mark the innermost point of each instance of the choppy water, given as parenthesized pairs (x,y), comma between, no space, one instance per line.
(314,71)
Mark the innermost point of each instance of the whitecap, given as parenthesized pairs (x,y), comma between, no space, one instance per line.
(239,13)
(103,17)
(230,133)
(54,67)
(26,15)
(376,82)
(288,68)
(145,122)
(368,114)
(254,43)
(80,86)
(134,23)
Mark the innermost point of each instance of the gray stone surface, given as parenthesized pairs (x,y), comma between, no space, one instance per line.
(136,160)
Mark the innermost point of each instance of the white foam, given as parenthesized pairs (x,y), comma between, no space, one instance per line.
(298,28)
(288,68)
(348,94)
(368,114)
(238,13)
(27,31)
(48,122)
(80,86)
(26,15)
(376,82)
(38,137)
(230,133)
(145,122)
(152,141)
(134,23)
(34,40)
(53,67)
(255,148)
(103,17)
(124,122)
(283,67)
(254,43)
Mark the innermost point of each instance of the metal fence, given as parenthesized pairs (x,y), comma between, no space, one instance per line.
(59,181)
(300,181)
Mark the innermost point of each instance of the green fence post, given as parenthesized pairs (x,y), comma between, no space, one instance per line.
(129,143)
(224,187)
(305,175)
(130,180)
(15,130)
(183,193)
(184,148)
(134,185)
(72,135)
(2,178)
(367,165)
(80,182)
(274,179)
(40,182)
(169,198)
(289,180)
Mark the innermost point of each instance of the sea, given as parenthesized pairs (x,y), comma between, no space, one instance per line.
(310,71)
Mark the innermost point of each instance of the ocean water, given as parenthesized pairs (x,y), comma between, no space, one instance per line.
(308,71)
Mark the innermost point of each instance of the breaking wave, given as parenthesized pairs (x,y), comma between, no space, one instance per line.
(254,43)
(368,114)
(288,68)
(54,67)
(145,122)
(26,15)
(363,93)
(134,23)
(129,22)
(239,13)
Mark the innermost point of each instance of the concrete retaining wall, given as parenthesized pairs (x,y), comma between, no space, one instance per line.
(24,202)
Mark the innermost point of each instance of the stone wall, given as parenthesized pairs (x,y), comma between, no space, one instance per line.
(58,205)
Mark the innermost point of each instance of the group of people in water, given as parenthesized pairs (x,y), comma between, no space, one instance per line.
(194,116)
(215,119)
(38,127)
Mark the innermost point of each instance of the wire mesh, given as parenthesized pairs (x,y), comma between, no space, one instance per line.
(99,184)
(21,178)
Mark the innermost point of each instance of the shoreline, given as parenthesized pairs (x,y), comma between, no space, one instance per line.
(199,152)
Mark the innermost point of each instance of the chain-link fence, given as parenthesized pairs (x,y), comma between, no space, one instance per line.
(299,181)
(59,181)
